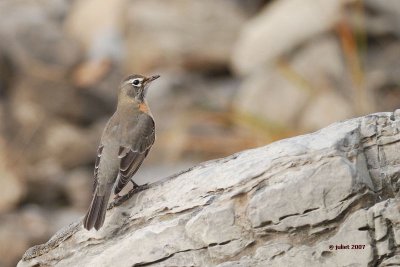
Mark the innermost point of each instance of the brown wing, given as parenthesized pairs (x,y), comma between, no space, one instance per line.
(140,140)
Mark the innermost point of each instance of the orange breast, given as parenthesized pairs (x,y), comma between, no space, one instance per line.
(143,108)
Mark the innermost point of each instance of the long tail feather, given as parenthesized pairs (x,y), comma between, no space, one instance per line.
(97,210)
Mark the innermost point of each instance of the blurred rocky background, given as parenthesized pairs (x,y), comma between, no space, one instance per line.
(235,75)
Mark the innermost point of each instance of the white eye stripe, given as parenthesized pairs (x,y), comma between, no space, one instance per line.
(139,79)
(133,81)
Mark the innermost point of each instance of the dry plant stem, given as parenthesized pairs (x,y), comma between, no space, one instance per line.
(351,54)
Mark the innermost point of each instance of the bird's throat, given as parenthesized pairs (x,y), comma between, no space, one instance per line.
(143,107)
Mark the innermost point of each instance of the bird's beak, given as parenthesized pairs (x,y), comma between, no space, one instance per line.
(152,78)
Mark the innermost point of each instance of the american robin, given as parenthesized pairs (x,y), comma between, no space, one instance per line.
(125,143)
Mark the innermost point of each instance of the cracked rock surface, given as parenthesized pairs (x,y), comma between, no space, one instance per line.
(322,199)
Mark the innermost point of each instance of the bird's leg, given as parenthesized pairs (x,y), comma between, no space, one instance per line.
(134,184)
(117,196)
(136,188)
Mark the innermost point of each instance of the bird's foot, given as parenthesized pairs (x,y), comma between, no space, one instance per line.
(121,199)
(133,183)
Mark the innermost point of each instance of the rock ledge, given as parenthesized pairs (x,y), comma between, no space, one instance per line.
(322,199)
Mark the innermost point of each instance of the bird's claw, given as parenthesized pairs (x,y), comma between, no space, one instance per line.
(121,199)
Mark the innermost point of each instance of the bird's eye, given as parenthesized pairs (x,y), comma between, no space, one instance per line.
(135,82)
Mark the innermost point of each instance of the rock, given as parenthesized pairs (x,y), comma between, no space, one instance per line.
(382,74)
(197,128)
(309,84)
(78,188)
(100,32)
(32,35)
(101,36)
(86,108)
(157,38)
(261,96)
(279,253)
(326,108)
(12,188)
(213,226)
(260,43)
(326,198)
(150,173)
(382,17)
(70,145)
(51,153)
(320,63)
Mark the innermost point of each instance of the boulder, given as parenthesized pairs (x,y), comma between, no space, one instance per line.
(33,39)
(100,32)
(285,94)
(268,95)
(327,107)
(327,198)
(260,43)
(181,34)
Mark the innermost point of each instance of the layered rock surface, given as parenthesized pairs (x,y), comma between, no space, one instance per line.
(322,199)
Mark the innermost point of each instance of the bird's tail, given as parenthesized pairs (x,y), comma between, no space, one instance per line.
(97,209)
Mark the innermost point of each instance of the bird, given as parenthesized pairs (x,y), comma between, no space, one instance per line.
(125,142)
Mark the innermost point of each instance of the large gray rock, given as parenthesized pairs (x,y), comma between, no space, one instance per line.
(181,34)
(273,32)
(301,93)
(322,199)
(100,32)
(32,38)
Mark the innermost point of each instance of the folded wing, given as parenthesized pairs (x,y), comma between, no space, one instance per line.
(138,143)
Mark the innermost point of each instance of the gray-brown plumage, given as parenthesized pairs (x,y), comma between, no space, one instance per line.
(125,143)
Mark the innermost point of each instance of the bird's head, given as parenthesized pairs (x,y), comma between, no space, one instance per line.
(135,86)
